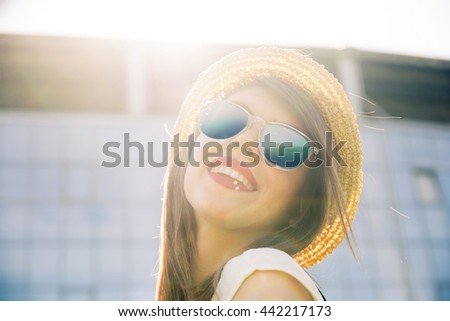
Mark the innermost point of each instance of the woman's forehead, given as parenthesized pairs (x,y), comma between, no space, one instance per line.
(262,102)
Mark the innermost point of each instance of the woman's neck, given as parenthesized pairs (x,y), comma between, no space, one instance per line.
(215,246)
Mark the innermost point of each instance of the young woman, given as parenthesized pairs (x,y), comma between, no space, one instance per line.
(271,185)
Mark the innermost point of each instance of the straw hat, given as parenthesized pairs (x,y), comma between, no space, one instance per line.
(326,93)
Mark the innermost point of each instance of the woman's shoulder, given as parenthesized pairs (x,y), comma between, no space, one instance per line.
(265,274)
(272,285)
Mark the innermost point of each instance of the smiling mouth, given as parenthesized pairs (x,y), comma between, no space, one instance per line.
(228,171)
(231,174)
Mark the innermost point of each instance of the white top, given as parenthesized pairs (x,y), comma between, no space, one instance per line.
(240,267)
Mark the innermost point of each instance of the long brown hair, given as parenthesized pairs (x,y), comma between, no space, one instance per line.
(303,220)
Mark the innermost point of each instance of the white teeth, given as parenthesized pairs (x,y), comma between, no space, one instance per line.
(233,174)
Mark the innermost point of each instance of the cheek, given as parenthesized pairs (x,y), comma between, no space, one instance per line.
(196,181)
(195,164)
(281,189)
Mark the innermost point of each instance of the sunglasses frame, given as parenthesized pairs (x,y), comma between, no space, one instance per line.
(250,120)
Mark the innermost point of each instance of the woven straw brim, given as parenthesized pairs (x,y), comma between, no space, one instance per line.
(242,68)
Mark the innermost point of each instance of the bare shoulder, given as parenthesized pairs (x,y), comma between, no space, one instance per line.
(272,285)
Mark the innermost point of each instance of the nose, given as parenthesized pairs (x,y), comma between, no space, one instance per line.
(251,133)
(248,141)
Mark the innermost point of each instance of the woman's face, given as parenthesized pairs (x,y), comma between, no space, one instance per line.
(214,196)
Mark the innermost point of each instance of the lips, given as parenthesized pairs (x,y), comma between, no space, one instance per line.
(231,174)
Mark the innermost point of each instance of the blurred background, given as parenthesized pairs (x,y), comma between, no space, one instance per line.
(76,75)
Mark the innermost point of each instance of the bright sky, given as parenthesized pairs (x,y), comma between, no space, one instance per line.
(414,27)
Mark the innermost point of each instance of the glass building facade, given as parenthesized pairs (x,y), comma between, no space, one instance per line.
(72,229)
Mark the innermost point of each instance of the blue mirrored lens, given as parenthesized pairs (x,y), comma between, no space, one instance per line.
(222,119)
(283,146)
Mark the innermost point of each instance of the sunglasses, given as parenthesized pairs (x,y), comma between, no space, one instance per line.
(283,146)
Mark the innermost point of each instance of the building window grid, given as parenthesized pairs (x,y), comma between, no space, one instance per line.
(426,242)
(437,218)
(391,218)
(27,245)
